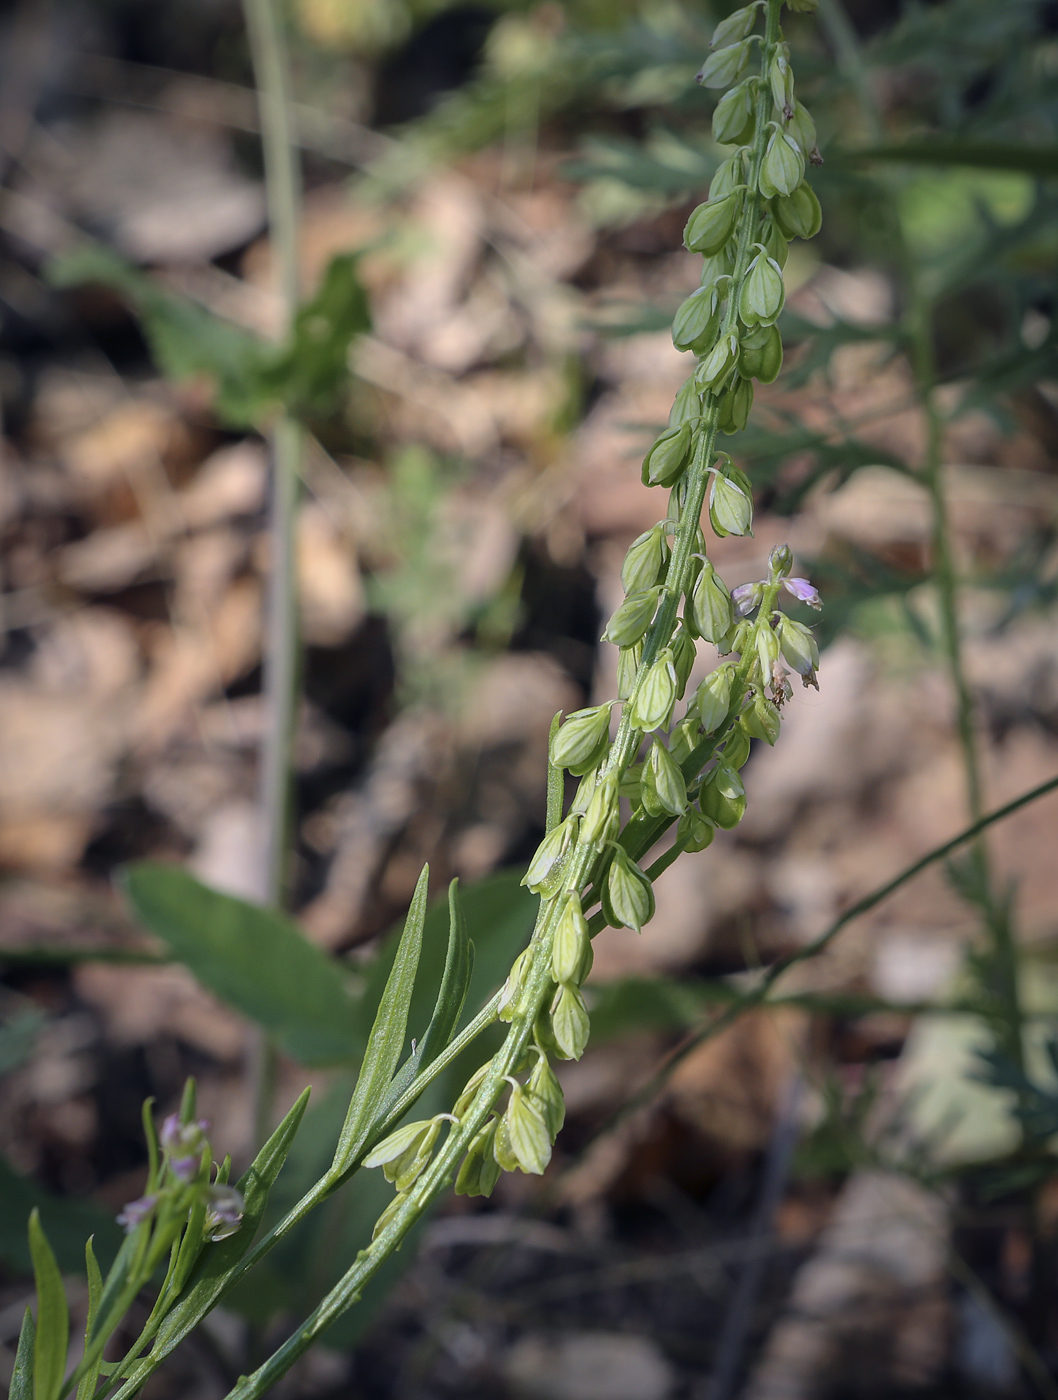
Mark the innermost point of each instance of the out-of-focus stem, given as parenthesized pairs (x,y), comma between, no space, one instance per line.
(281,678)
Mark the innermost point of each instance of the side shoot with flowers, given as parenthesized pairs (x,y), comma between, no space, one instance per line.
(651,758)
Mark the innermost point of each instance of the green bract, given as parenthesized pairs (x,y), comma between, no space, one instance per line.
(798,214)
(684,654)
(710,225)
(548,854)
(601,815)
(730,509)
(783,168)
(628,659)
(629,622)
(762,720)
(733,120)
(716,266)
(666,780)
(686,406)
(711,609)
(694,831)
(736,747)
(712,699)
(735,406)
(667,458)
(628,899)
(651,707)
(802,128)
(645,560)
(799,648)
(767,649)
(569,1022)
(546,1093)
(760,353)
(718,364)
(762,292)
(734,28)
(722,797)
(695,324)
(527,1133)
(480,1170)
(582,738)
(571,938)
(725,65)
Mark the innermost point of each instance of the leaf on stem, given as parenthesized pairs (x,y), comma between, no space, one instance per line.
(53,1318)
(22,1376)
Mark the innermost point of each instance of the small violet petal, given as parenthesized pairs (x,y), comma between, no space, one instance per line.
(136,1212)
(803,591)
(745,598)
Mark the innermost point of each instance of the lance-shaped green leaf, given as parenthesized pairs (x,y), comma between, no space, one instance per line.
(386,1040)
(215,1268)
(21,1387)
(451,997)
(87,1385)
(53,1317)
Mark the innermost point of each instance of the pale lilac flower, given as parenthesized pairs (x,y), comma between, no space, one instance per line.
(183,1138)
(746,597)
(184,1168)
(803,591)
(224,1213)
(136,1212)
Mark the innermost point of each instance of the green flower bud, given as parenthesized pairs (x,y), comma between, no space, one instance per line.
(628,786)
(645,560)
(686,407)
(602,814)
(763,293)
(628,898)
(799,648)
(387,1215)
(780,562)
(569,1022)
(571,938)
(724,66)
(798,215)
(546,1092)
(760,354)
(780,76)
(718,265)
(767,648)
(582,738)
(736,747)
(775,244)
(711,224)
(631,620)
(480,1171)
(667,781)
(548,855)
(762,720)
(684,655)
(651,706)
(718,364)
(722,797)
(695,324)
(584,793)
(627,669)
(735,406)
(730,509)
(527,1132)
(668,456)
(783,168)
(712,699)
(694,831)
(733,119)
(711,605)
(404,1154)
(802,128)
(735,27)
(512,988)
(466,1098)
(503,1148)
(684,737)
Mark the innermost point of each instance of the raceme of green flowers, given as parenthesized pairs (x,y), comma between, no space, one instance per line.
(674,759)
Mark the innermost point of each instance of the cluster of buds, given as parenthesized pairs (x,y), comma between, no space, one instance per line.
(186,1185)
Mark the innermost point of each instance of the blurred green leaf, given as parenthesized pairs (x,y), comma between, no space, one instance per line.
(21,1387)
(53,1317)
(312,372)
(253,959)
(979,155)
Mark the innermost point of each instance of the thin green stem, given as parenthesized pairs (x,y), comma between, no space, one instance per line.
(281,662)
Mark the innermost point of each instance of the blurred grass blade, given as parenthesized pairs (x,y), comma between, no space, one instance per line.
(253,959)
(22,1376)
(451,996)
(67,1223)
(981,155)
(386,1041)
(87,1385)
(215,1265)
(53,1318)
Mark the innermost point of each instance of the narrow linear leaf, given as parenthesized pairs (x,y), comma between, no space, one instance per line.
(386,1040)
(253,959)
(53,1318)
(87,1385)
(981,155)
(22,1375)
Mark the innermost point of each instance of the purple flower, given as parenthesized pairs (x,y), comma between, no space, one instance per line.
(746,597)
(803,591)
(136,1212)
(184,1168)
(224,1211)
(183,1138)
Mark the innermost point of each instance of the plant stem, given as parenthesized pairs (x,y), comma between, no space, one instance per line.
(281,661)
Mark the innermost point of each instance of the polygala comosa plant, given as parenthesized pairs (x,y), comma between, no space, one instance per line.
(656,755)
